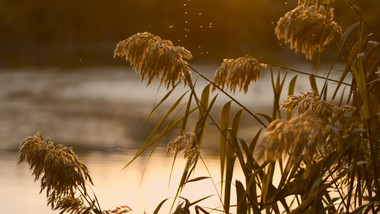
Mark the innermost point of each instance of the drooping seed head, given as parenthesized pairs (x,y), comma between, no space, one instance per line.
(318,127)
(154,58)
(308,29)
(59,168)
(238,73)
(186,143)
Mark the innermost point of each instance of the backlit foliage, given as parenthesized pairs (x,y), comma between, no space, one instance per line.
(318,128)
(308,27)
(188,145)
(63,177)
(322,158)
(154,58)
(61,173)
(238,73)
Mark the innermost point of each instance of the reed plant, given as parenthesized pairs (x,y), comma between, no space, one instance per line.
(321,145)
(64,177)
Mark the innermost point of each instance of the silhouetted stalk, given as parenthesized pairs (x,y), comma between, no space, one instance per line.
(229,96)
(354,8)
(308,74)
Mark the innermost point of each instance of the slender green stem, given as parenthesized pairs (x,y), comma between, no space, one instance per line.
(308,74)
(229,96)
(212,180)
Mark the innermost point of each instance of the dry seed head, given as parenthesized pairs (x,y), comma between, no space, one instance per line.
(238,73)
(71,204)
(154,58)
(60,170)
(181,142)
(311,104)
(318,126)
(192,154)
(307,3)
(298,137)
(187,143)
(308,29)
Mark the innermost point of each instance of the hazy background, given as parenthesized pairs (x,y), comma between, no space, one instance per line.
(74,33)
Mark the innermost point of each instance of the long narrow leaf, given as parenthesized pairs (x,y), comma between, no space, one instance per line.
(361,84)
(159,206)
(224,121)
(146,144)
(241,202)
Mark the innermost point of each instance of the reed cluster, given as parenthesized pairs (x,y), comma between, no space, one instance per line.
(324,153)
(317,129)
(154,58)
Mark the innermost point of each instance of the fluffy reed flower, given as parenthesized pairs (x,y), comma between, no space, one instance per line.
(310,103)
(61,173)
(186,142)
(314,2)
(238,73)
(154,58)
(318,126)
(298,137)
(61,170)
(308,27)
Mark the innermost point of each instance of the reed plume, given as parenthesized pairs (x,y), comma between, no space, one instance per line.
(314,2)
(318,127)
(308,28)
(154,58)
(186,143)
(62,174)
(238,73)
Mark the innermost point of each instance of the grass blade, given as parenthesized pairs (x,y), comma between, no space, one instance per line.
(313,83)
(241,202)
(159,206)
(361,84)
(224,121)
(146,143)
